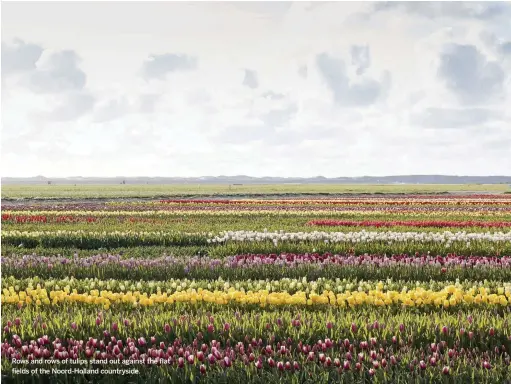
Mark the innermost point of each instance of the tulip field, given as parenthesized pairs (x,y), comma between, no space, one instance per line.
(367,288)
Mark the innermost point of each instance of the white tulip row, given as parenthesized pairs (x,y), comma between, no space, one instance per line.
(361,237)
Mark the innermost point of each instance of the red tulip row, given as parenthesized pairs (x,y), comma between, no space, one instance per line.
(414,223)
(22,219)
(19,219)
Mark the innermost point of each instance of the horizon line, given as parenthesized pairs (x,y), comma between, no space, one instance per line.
(254,177)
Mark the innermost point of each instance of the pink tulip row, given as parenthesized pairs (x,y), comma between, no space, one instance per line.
(290,260)
(68,209)
(410,223)
(283,355)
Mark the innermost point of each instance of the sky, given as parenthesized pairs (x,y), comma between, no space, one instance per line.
(295,89)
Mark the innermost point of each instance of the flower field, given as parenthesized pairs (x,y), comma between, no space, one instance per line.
(356,289)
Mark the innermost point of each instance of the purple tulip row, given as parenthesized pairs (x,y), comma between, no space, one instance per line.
(257,260)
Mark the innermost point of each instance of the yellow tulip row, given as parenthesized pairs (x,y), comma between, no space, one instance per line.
(417,297)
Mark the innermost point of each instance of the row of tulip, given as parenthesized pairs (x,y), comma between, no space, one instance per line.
(72,219)
(503,200)
(179,362)
(480,325)
(233,242)
(388,237)
(20,219)
(350,201)
(214,224)
(415,223)
(450,296)
(324,345)
(11,286)
(96,239)
(280,236)
(272,266)
(93,209)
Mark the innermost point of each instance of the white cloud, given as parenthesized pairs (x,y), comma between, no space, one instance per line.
(158,66)
(361,58)
(19,56)
(250,80)
(468,74)
(291,89)
(346,92)
(458,118)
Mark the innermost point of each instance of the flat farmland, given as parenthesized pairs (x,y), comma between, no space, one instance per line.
(81,191)
(403,286)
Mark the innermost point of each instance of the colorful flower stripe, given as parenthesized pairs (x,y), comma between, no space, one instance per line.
(69,219)
(254,260)
(416,223)
(491,215)
(450,296)
(11,285)
(457,327)
(411,343)
(95,209)
(363,236)
(343,202)
(325,360)
(84,215)
(449,197)
(20,219)
(327,266)
(280,236)
(261,242)
(96,239)
(293,260)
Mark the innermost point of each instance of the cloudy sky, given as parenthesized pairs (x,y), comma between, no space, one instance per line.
(263,89)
